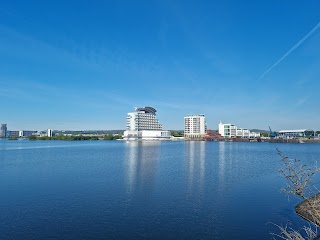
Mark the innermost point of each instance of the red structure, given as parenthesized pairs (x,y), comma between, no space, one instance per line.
(211,135)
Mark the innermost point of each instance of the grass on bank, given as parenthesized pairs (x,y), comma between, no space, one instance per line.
(77,138)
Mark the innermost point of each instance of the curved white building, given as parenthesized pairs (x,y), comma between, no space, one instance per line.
(143,125)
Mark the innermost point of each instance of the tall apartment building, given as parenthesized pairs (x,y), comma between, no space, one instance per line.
(195,126)
(143,124)
(3,130)
(49,132)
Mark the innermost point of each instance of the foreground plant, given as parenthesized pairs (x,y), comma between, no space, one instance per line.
(310,233)
(299,182)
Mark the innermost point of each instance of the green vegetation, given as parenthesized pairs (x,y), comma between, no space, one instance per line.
(77,138)
(112,137)
(33,138)
(177,133)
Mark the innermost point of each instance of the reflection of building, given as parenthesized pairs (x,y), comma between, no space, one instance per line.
(141,161)
(230,131)
(195,158)
(295,133)
(195,126)
(3,130)
(143,124)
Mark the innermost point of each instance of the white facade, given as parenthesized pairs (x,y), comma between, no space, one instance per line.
(230,131)
(242,132)
(254,135)
(147,135)
(227,130)
(49,132)
(195,126)
(296,133)
(143,125)
(143,119)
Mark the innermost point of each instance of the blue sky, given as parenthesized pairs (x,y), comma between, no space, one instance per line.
(85,64)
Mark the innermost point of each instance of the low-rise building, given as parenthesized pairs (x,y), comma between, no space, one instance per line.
(26,133)
(228,130)
(242,132)
(14,134)
(295,133)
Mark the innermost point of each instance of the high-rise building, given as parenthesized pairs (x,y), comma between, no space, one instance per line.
(143,124)
(49,132)
(195,126)
(3,130)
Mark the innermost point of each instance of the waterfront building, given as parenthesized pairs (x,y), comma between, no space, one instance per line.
(243,133)
(255,135)
(14,134)
(142,124)
(49,132)
(195,126)
(295,133)
(228,130)
(3,130)
(25,133)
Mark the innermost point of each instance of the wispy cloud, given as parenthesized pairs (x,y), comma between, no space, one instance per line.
(301,41)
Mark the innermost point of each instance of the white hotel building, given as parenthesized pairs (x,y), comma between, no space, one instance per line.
(195,126)
(143,125)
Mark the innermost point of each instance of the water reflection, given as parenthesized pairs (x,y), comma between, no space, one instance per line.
(222,160)
(141,161)
(195,156)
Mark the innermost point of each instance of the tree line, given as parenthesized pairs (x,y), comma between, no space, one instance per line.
(77,138)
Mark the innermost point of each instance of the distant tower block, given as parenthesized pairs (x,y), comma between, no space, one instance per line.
(49,132)
(3,130)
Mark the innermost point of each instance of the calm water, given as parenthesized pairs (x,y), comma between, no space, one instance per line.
(145,190)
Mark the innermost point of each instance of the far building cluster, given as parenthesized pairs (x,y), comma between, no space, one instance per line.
(142,124)
(5,133)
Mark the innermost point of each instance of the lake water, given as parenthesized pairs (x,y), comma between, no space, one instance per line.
(145,190)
